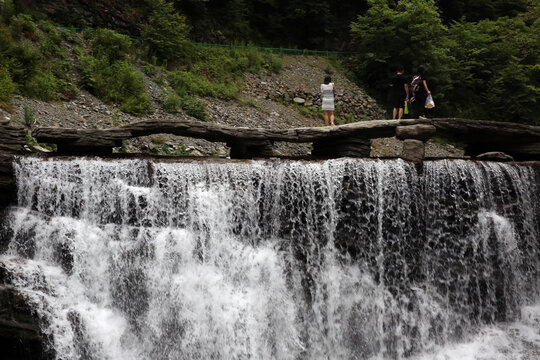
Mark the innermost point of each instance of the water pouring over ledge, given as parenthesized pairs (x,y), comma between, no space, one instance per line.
(343,259)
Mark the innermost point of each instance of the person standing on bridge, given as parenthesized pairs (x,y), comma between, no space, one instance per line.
(420,91)
(400,93)
(328,90)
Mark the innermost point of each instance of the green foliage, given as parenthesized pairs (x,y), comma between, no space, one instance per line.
(43,85)
(172,103)
(272,63)
(7,10)
(166,33)
(7,87)
(309,111)
(195,107)
(487,69)
(109,72)
(189,83)
(410,34)
(35,62)
(29,115)
(23,24)
(110,45)
(480,9)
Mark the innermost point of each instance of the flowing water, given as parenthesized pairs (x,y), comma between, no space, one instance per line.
(342,259)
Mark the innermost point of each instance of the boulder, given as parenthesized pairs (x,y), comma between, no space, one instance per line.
(417,132)
(299,101)
(20,334)
(495,156)
(413,150)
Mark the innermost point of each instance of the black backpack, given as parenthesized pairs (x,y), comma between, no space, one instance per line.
(416,83)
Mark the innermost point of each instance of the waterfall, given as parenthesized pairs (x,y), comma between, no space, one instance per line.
(341,259)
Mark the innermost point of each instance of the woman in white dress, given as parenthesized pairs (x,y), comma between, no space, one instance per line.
(328,91)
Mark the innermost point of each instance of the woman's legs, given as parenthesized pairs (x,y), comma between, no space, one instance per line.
(332,118)
(326,116)
(419,106)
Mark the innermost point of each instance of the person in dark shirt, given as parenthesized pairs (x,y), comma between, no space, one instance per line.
(400,93)
(420,91)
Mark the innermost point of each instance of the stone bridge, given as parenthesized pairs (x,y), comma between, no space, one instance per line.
(479,136)
(519,140)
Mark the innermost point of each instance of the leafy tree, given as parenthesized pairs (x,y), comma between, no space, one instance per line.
(474,10)
(166,33)
(499,76)
(411,34)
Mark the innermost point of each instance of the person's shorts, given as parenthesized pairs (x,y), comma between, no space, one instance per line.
(399,101)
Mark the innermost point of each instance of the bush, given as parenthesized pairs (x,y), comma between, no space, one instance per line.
(110,75)
(273,63)
(122,84)
(173,103)
(23,24)
(188,83)
(24,61)
(29,115)
(7,10)
(43,85)
(110,45)
(195,107)
(7,87)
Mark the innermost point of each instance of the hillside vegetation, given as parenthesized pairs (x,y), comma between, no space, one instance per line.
(482,59)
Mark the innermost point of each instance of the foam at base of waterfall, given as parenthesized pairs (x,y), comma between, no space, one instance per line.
(507,341)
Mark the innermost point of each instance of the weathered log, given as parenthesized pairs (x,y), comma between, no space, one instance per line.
(478,135)
(217,132)
(485,132)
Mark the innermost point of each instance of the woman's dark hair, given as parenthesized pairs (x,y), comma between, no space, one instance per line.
(400,68)
(327,79)
(421,70)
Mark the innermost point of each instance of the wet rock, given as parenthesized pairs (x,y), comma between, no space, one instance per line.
(20,334)
(413,150)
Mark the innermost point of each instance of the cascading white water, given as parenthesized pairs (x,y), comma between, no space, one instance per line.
(342,259)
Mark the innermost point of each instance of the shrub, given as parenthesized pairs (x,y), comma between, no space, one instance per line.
(122,84)
(7,10)
(195,107)
(24,61)
(273,63)
(7,87)
(23,24)
(173,103)
(110,75)
(110,45)
(43,85)
(188,83)
(29,115)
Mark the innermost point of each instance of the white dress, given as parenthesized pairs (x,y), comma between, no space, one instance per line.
(327,91)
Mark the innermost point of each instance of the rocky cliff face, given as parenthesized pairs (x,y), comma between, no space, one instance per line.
(123,16)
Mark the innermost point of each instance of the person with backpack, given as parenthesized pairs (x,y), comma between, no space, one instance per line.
(420,92)
(400,92)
